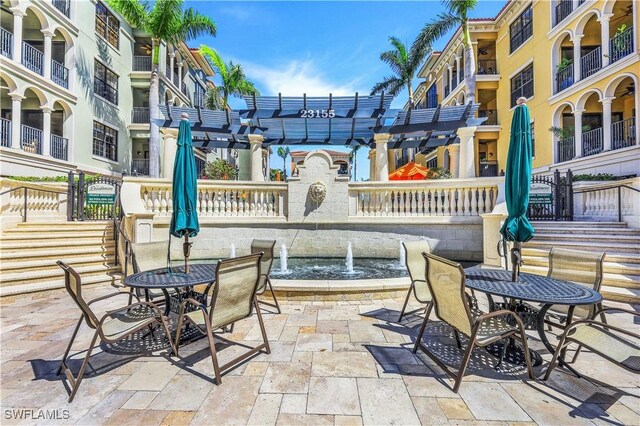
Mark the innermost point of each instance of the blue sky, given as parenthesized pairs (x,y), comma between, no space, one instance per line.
(318,47)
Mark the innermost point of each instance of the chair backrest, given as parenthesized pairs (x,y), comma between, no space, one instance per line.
(73,284)
(149,256)
(266,248)
(415,261)
(581,267)
(235,289)
(446,281)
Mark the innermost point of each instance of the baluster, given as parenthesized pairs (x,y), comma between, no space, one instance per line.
(432,203)
(201,204)
(598,204)
(613,202)
(234,203)
(210,205)
(156,201)
(474,202)
(447,203)
(254,203)
(216,202)
(414,202)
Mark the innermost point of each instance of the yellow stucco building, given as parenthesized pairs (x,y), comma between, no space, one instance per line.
(576,61)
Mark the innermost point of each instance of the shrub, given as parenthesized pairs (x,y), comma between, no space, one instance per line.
(219,170)
(438,173)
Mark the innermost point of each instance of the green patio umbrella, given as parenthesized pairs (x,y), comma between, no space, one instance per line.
(184,219)
(517,184)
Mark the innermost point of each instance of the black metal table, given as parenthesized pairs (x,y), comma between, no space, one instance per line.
(162,279)
(532,288)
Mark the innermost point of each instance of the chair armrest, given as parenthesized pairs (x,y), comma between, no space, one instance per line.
(628,311)
(195,302)
(99,299)
(108,314)
(574,325)
(500,313)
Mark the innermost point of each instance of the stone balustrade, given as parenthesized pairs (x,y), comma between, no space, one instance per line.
(41,203)
(605,200)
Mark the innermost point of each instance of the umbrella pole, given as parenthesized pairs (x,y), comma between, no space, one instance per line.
(186,249)
(516,260)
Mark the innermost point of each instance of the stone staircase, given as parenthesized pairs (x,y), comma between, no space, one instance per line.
(621,243)
(29,251)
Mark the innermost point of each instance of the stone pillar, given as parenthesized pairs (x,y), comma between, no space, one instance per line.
(48,35)
(255,158)
(450,68)
(467,165)
(372,164)
(576,57)
(454,160)
(604,38)
(46,131)
(172,62)
(458,69)
(606,123)
(169,148)
(180,75)
(382,156)
(16,117)
(577,116)
(17,34)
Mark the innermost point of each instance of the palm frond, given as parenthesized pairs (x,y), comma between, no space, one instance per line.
(135,12)
(401,48)
(391,85)
(195,24)
(393,59)
(214,99)
(165,19)
(215,60)
(460,8)
(435,30)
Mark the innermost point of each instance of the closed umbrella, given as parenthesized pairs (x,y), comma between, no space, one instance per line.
(184,219)
(517,181)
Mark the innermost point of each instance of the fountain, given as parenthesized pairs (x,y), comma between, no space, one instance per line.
(283,259)
(233,251)
(402,256)
(349,261)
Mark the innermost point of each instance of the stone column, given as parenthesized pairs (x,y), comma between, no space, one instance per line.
(467,165)
(454,159)
(17,34)
(48,35)
(577,116)
(45,149)
(170,147)
(172,62)
(576,57)
(255,158)
(458,69)
(450,68)
(604,38)
(180,75)
(16,118)
(382,156)
(606,123)
(372,164)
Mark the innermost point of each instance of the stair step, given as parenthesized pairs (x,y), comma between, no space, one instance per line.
(14,278)
(10,290)
(634,239)
(609,279)
(623,295)
(12,246)
(609,266)
(42,254)
(577,224)
(59,227)
(612,256)
(50,264)
(585,245)
(589,231)
(76,235)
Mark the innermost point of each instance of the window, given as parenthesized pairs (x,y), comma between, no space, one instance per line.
(105,83)
(521,29)
(105,141)
(433,163)
(107,25)
(522,84)
(432,96)
(199,95)
(533,139)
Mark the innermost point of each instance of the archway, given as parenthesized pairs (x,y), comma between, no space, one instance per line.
(624,107)
(590,44)
(33,41)
(562,59)
(32,121)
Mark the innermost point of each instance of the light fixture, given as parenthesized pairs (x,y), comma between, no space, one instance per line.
(139,153)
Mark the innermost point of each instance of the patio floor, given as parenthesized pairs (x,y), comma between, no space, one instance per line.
(330,363)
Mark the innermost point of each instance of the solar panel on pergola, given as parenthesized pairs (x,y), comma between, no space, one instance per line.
(332,120)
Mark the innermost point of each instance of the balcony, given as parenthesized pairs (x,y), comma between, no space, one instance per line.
(183,89)
(460,76)
(64,6)
(564,77)
(59,147)
(488,168)
(566,149)
(623,133)
(59,74)
(32,58)
(140,166)
(6,43)
(492,116)
(621,45)
(140,115)
(591,63)
(487,67)
(142,63)
(5,132)
(592,142)
(30,139)
(446,91)
(563,9)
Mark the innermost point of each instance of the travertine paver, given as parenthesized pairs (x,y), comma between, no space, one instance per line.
(342,363)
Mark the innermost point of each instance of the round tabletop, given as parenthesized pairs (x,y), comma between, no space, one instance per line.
(161,278)
(533,288)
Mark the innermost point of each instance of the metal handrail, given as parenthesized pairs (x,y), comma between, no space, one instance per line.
(618,187)
(26,189)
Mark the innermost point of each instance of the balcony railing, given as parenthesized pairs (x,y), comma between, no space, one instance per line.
(566,149)
(563,9)
(487,67)
(59,147)
(5,132)
(31,139)
(183,89)
(59,74)
(592,142)
(140,166)
(6,43)
(63,6)
(32,58)
(446,91)
(564,78)
(142,63)
(140,115)
(621,45)
(591,62)
(488,168)
(623,133)
(491,114)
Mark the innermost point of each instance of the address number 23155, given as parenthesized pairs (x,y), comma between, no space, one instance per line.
(317,113)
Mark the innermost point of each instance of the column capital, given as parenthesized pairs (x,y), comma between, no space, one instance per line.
(578,112)
(605,17)
(180,64)
(466,131)
(607,100)
(47,33)
(16,97)
(454,147)
(256,139)
(172,54)
(17,13)
(169,132)
(381,137)
(576,38)
(46,109)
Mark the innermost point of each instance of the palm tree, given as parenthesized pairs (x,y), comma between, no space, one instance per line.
(404,62)
(353,157)
(165,21)
(457,14)
(283,152)
(234,80)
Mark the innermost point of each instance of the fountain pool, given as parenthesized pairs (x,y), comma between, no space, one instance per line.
(334,268)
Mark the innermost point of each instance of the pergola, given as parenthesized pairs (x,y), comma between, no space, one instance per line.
(327,121)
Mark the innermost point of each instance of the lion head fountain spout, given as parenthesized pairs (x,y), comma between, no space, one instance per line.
(317,192)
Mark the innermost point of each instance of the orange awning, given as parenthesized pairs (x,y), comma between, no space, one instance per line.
(410,171)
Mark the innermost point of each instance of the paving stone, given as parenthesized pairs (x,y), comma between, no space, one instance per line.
(365,332)
(314,342)
(386,401)
(301,320)
(348,421)
(183,392)
(280,352)
(623,413)
(455,409)
(307,330)
(137,417)
(332,327)
(303,419)
(343,364)
(150,377)
(106,407)
(341,338)
(339,314)
(302,357)
(428,410)
(229,403)
(272,327)
(265,410)
(286,378)
(333,395)
(256,368)
(293,403)
(178,418)
(502,406)
(289,334)
(140,400)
